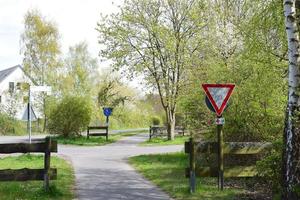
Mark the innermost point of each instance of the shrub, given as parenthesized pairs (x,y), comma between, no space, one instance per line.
(270,167)
(10,126)
(70,116)
(155,120)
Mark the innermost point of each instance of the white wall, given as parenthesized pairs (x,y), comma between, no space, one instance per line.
(16,76)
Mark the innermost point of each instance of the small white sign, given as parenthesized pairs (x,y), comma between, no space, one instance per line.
(220,121)
(41,89)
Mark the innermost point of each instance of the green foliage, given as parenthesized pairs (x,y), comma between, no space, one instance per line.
(109,94)
(40,47)
(93,140)
(79,71)
(159,141)
(270,167)
(130,116)
(248,50)
(155,120)
(71,116)
(62,188)
(9,125)
(157,39)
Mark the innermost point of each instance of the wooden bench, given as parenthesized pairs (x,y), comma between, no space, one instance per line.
(46,146)
(99,131)
(180,130)
(161,131)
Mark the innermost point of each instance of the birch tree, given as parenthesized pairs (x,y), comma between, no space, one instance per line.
(41,49)
(291,152)
(157,39)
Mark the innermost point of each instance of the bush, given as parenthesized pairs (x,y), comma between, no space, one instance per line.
(70,116)
(155,120)
(10,126)
(270,167)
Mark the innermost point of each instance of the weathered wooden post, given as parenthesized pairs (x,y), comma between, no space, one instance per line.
(220,156)
(192,166)
(47,162)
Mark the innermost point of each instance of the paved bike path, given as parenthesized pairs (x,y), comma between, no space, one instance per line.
(103,172)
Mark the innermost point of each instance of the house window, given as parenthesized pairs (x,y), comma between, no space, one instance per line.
(11,87)
(18,86)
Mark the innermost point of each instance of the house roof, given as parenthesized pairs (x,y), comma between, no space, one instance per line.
(6,72)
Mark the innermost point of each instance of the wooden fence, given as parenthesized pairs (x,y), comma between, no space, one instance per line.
(45,146)
(230,149)
(161,131)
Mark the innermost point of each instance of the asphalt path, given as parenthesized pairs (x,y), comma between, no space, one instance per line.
(102,172)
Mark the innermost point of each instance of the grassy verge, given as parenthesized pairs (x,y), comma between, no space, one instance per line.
(167,171)
(164,141)
(62,188)
(94,140)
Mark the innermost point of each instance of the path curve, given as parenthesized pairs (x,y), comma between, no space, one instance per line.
(102,172)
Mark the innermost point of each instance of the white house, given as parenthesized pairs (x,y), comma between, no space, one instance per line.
(12,99)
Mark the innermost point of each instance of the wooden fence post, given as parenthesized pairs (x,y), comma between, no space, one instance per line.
(47,162)
(192,166)
(88,133)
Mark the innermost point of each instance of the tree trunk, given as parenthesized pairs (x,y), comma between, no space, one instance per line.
(291,151)
(170,123)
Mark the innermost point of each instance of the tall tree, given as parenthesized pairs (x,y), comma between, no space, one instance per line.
(79,71)
(158,39)
(291,154)
(40,48)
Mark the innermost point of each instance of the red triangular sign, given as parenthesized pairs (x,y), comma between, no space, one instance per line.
(218,95)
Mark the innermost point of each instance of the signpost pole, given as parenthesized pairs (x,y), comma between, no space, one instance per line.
(220,156)
(107,120)
(29,117)
(218,96)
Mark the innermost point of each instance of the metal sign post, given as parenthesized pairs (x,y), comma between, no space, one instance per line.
(46,89)
(29,116)
(220,154)
(218,96)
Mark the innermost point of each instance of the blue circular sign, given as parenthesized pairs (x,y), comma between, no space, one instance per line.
(210,107)
(107,111)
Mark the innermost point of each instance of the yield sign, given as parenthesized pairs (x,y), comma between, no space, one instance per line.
(218,95)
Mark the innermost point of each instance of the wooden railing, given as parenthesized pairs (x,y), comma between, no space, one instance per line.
(161,131)
(45,146)
(195,149)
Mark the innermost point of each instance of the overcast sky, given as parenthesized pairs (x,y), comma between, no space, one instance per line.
(76,20)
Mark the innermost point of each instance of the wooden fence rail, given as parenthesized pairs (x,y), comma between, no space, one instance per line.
(47,146)
(161,131)
(194,149)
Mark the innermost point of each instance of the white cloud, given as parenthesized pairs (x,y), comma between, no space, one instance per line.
(76,20)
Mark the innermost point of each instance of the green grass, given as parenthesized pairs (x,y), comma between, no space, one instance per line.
(167,172)
(62,188)
(164,141)
(93,140)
